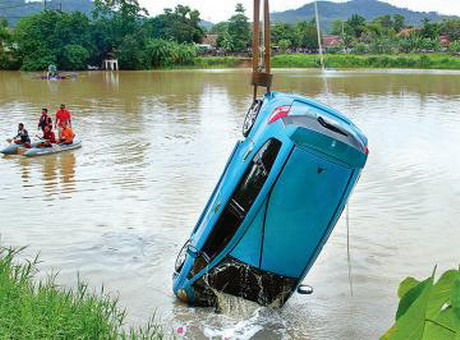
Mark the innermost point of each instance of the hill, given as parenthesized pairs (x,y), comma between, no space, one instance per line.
(13,10)
(370,9)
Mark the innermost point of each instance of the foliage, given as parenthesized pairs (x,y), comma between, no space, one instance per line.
(284,44)
(181,25)
(430,30)
(281,31)
(118,28)
(438,61)
(221,30)
(357,25)
(115,24)
(53,37)
(6,47)
(123,30)
(361,48)
(16,9)
(455,47)
(369,9)
(74,57)
(219,62)
(451,28)
(382,45)
(164,53)
(41,310)
(131,52)
(306,34)
(428,310)
(238,34)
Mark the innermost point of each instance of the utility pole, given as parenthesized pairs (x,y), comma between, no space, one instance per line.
(44,5)
(318,30)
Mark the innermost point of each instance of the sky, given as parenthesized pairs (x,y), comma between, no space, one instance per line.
(219,10)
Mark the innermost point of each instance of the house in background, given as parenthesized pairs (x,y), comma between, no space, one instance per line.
(210,40)
(331,40)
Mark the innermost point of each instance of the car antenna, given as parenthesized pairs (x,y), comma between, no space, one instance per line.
(261,67)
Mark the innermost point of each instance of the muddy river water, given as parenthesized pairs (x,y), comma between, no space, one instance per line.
(118,210)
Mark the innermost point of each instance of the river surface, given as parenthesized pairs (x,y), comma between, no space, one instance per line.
(118,210)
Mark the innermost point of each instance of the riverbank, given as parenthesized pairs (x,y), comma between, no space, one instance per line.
(413,61)
(31,309)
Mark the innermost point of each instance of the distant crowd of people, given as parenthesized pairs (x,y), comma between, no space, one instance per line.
(63,124)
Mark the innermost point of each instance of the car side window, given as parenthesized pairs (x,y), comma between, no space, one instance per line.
(243,198)
(257,174)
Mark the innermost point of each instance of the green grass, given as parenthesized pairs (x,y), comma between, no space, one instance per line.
(414,61)
(418,61)
(31,309)
(220,62)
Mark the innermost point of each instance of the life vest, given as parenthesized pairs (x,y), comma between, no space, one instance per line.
(45,120)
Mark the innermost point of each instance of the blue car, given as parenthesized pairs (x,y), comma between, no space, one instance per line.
(281,193)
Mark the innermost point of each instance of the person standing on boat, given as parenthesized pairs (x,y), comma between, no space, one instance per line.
(67,134)
(48,137)
(22,137)
(63,117)
(52,71)
(45,120)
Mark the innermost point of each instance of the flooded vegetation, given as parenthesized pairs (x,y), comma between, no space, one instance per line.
(118,210)
(43,310)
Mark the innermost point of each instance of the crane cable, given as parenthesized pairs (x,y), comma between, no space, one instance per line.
(328,101)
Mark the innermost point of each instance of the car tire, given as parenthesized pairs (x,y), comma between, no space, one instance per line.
(251,116)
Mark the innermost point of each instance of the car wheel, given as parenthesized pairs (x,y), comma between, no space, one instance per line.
(180,260)
(251,116)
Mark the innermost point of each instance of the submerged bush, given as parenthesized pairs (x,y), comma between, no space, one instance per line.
(42,310)
(164,53)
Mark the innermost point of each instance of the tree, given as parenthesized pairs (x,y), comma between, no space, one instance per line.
(221,29)
(284,44)
(53,37)
(74,57)
(451,28)
(399,22)
(430,30)
(282,31)
(181,25)
(115,24)
(357,24)
(239,29)
(163,53)
(306,34)
(6,46)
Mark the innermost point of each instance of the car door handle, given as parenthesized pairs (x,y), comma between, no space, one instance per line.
(248,153)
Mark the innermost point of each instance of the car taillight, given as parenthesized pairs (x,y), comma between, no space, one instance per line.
(280,112)
(366,150)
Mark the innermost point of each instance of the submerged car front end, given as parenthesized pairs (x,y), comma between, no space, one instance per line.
(275,205)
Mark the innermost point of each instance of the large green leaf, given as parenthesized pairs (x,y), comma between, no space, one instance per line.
(442,293)
(411,314)
(456,304)
(442,327)
(428,311)
(406,285)
(412,296)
